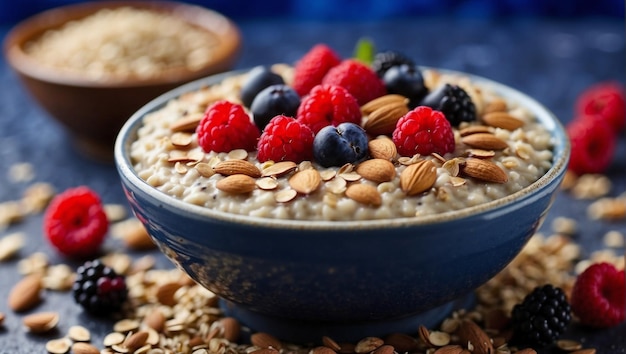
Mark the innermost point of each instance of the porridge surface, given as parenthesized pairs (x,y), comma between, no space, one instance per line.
(166,155)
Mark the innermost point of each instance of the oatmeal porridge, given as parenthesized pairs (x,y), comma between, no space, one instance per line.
(503,151)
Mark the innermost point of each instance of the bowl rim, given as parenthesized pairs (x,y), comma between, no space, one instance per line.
(561,152)
(224,29)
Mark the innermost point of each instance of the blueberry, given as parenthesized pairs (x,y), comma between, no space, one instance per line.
(257,79)
(272,101)
(336,146)
(405,80)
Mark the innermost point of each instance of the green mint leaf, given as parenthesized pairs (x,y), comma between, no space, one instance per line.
(364,51)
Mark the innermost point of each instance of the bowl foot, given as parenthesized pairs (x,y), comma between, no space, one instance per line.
(311,333)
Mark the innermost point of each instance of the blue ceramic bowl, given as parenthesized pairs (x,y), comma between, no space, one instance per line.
(300,279)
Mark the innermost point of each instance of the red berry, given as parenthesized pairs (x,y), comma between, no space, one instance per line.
(225,127)
(599,296)
(285,139)
(328,105)
(359,79)
(423,131)
(593,144)
(311,68)
(604,101)
(75,222)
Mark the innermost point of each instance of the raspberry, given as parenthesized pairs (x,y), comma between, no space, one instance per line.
(593,144)
(599,296)
(285,139)
(75,222)
(98,289)
(423,131)
(225,127)
(542,317)
(311,68)
(356,77)
(328,105)
(604,101)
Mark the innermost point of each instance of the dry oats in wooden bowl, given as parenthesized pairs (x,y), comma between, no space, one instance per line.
(92,65)
(300,262)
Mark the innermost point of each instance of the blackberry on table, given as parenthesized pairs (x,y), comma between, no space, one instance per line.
(99,289)
(453,101)
(542,317)
(385,60)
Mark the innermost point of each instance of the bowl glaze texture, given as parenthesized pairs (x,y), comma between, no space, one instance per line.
(94,111)
(277,272)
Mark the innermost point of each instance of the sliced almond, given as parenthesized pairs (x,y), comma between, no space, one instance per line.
(484,141)
(126,325)
(236,184)
(285,195)
(424,335)
(484,170)
(475,129)
(267,183)
(26,294)
(383,120)
(480,153)
(60,346)
(204,169)
(568,345)
(305,182)
(470,332)
(418,177)
(181,139)
(79,334)
(234,167)
(376,170)
(383,101)
(279,169)
(364,194)
(383,148)
(502,120)
(84,348)
(368,344)
(265,340)
(41,322)
(187,123)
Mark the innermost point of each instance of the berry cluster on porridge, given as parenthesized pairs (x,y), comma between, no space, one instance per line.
(338,139)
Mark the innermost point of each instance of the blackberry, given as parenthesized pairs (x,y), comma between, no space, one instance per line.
(542,317)
(453,102)
(385,60)
(98,289)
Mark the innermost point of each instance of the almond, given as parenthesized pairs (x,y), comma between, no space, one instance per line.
(449,349)
(364,194)
(236,184)
(135,341)
(470,332)
(383,120)
(305,182)
(484,170)
(368,344)
(136,237)
(384,349)
(418,177)
(155,320)
(231,327)
(279,168)
(165,293)
(383,148)
(474,129)
(187,123)
(402,342)
(382,101)
(584,351)
(502,120)
(265,340)
(26,293)
(376,170)
(234,167)
(497,105)
(331,343)
(526,351)
(484,141)
(60,346)
(322,350)
(2,316)
(84,348)
(41,322)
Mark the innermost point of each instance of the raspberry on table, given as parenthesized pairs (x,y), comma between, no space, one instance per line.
(599,296)
(312,67)
(359,79)
(453,101)
(423,131)
(225,127)
(285,139)
(542,317)
(99,289)
(75,222)
(604,101)
(592,145)
(328,105)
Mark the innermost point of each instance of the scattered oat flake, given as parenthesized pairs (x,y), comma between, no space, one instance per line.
(115,212)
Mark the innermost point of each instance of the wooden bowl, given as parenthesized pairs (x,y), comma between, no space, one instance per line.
(92,110)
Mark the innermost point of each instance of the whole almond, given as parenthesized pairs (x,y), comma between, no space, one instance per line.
(231,327)
(526,351)
(236,184)
(155,320)
(26,293)
(265,340)
(305,182)
(136,237)
(418,177)
(484,170)
(165,293)
(135,341)
(402,342)
(2,316)
(470,332)
(484,141)
(383,148)
(233,167)
(376,170)
(449,349)
(382,101)
(384,349)
(322,350)
(497,105)
(364,194)
(41,322)
(331,343)
(84,348)
(383,120)
(502,120)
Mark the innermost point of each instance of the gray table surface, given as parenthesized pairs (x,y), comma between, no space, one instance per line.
(550,60)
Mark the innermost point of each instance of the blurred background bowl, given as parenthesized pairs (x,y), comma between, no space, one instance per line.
(93,110)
